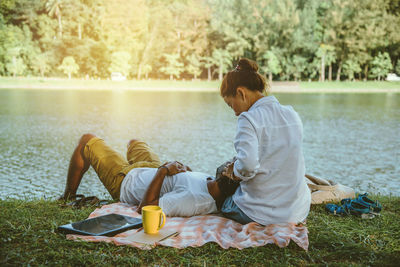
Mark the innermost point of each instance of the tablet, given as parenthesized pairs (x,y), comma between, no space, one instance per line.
(106,225)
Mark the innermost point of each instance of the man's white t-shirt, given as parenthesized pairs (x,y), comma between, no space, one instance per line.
(184,194)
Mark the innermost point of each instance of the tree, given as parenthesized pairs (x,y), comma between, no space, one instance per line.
(41,64)
(350,67)
(83,39)
(339,26)
(299,65)
(194,66)
(330,58)
(326,54)
(305,36)
(16,66)
(234,27)
(375,29)
(273,65)
(276,31)
(120,62)
(173,66)
(313,68)
(16,49)
(155,38)
(45,30)
(69,66)
(54,9)
(398,67)
(381,65)
(124,26)
(190,31)
(146,69)
(208,64)
(222,59)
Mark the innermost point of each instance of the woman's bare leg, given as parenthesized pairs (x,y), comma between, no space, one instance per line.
(78,165)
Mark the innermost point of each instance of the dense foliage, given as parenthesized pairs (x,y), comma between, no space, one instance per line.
(290,39)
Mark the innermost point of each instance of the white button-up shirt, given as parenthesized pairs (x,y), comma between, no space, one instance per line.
(270,163)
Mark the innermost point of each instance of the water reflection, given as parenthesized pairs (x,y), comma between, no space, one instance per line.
(350,138)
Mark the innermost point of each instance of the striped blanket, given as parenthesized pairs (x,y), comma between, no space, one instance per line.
(198,230)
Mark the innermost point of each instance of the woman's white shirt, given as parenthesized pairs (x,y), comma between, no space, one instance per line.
(270,163)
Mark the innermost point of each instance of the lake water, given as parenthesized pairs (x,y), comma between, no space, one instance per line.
(349,138)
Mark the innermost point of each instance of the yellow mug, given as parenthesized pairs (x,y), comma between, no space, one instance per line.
(153,219)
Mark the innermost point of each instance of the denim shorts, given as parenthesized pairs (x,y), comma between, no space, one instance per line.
(231,211)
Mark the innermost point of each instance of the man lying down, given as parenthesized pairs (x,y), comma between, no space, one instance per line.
(142,180)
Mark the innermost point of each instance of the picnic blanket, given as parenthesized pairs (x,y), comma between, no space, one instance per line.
(198,230)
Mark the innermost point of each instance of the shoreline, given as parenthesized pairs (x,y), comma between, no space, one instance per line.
(7,83)
(276,89)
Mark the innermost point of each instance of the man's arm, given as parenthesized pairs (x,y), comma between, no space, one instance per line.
(152,194)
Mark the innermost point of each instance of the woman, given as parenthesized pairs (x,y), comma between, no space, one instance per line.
(269,161)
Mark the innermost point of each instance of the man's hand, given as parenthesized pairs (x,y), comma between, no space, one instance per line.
(228,172)
(176,167)
(152,194)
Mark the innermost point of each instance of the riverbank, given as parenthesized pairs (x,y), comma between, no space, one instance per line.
(198,85)
(28,237)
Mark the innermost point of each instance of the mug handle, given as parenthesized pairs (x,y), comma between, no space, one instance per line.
(163,220)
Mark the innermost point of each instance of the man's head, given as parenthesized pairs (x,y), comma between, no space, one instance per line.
(226,186)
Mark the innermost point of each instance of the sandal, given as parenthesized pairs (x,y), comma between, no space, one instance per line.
(356,208)
(93,201)
(375,206)
(83,201)
(76,199)
(336,209)
(87,201)
(348,207)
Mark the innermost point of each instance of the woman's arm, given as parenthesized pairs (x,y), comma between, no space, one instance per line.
(247,146)
(152,194)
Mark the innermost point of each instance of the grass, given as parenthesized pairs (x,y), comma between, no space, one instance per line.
(198,85)
(59,83)
(28,237)
(346,85)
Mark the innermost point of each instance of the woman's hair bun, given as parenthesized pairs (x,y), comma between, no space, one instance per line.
(247,64)
(245,74)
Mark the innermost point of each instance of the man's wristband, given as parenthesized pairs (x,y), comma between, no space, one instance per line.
(165,168)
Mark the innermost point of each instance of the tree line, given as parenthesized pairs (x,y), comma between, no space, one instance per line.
(191,39)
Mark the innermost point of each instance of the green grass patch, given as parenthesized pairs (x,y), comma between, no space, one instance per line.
(28,237)
(368,85)
(59,83)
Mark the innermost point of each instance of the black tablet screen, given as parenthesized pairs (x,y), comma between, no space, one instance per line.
(104,223)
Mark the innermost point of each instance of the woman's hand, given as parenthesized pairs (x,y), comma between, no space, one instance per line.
(176,167)
(228,172)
